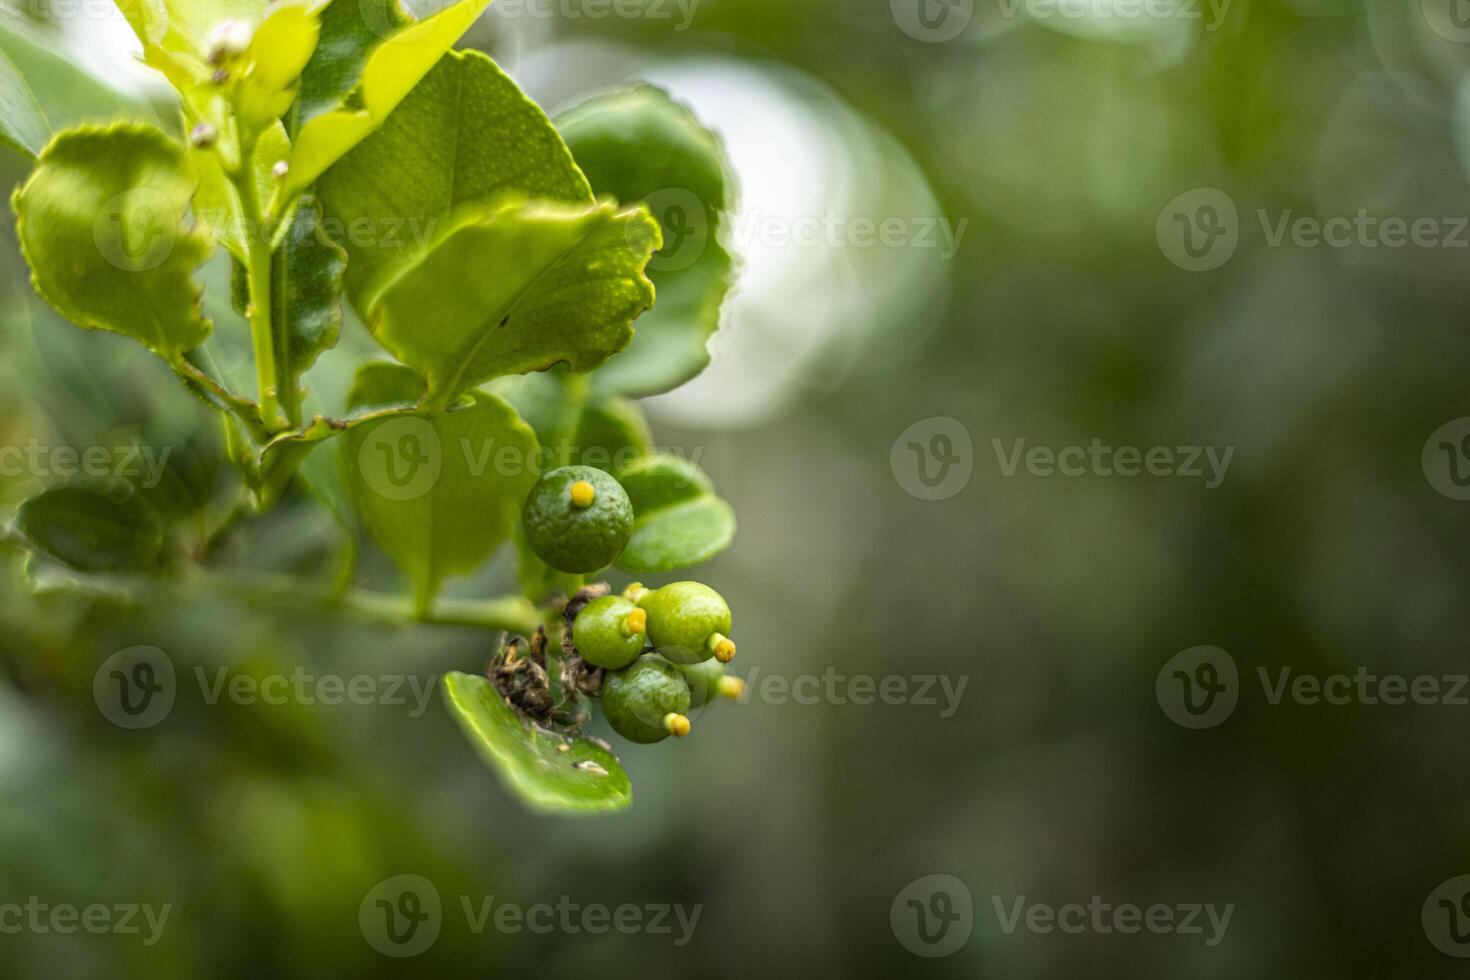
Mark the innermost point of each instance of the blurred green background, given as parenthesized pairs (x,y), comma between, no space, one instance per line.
(1053,142)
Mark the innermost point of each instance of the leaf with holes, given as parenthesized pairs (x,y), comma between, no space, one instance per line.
(547,771)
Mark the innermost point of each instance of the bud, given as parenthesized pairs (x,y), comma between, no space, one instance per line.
(204,136)
(228,40)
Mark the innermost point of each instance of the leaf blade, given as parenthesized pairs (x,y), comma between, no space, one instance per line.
(528,760)
(102,224)
(424,484)
(639,144)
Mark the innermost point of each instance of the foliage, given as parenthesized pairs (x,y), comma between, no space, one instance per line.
(313,134)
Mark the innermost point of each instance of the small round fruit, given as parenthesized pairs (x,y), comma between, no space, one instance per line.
(610,632)
(708,681)
(647,701)
(688,623)
(578,519)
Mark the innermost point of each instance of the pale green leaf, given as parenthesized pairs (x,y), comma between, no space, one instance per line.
(545,770)
(638,144)
(392,71)
(560,283)
(440,493)
(103,222)
(279,52)
(466,136)
(101,526)
(42,93)
(679,520)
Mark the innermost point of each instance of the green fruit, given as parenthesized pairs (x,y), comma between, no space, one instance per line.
(708,681)
(610,632)
(646,702)
(577,519)
(688,623)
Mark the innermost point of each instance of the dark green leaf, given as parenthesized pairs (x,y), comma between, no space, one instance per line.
(351,30)
(99,526)
(639,145)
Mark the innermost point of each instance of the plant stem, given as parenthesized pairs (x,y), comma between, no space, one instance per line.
(258,273)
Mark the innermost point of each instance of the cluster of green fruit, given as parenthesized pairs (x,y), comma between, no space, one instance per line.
(662,651)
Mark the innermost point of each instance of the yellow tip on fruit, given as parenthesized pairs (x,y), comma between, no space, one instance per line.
(635,593)
(677,724)
(732,688)
(636,622)
(722,647)
(583,493)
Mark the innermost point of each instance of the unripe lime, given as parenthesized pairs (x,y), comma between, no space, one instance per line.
(708,682)
(577,519)
(688,622)
(646,701)
(610,632)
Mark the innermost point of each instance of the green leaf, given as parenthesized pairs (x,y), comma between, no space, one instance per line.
(612,435)
(278,53)
(306,307)
(99,526)
(567,285)
(680,522)
(392,71)
(42,93)
(638,144)
(350,30)
(466,136)
(102,222)
(529,760)
(439,492)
